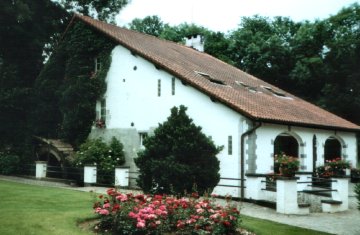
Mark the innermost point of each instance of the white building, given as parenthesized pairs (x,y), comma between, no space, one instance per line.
(249,117)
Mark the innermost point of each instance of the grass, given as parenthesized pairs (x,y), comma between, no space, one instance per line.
(28,209)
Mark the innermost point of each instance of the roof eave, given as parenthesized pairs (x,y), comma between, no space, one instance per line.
(308,125)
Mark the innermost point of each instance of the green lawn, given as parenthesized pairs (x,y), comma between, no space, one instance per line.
(28,209)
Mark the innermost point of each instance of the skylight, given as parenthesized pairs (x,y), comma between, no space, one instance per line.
(249,88)
(276,92)
(211,79)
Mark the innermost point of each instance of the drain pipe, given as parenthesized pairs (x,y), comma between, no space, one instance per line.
(242,157)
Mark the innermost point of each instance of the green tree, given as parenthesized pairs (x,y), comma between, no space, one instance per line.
(151,25)
(262,47)
(26,27)
(100,9)
(177,157)
(342,59)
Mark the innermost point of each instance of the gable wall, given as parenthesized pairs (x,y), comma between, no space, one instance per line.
(132,97)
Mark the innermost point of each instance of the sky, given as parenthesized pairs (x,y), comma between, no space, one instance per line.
(225,15)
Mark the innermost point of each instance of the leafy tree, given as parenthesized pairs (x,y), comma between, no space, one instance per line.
(100,9)
(262,47)
(218,45)
(177,157)
(342,58)
(26,27)
(151,25)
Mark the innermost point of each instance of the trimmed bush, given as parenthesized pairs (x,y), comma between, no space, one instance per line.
(178,157)
(105,156)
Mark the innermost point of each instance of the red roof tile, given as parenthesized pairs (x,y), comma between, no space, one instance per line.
(242,92)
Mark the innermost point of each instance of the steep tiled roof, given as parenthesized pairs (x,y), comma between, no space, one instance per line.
(224,83)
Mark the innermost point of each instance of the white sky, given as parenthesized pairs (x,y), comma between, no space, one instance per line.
(225,15)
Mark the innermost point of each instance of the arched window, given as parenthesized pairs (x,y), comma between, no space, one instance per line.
(332,149)
(286,144)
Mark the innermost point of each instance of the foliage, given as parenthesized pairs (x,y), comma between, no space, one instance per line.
(189,156)
(105,156)
(338,164)
(103,10)
(67,88)
(28,26)
(8,163)
(287,165)
(33,30)
(151,25)
(335,167)
(159,214)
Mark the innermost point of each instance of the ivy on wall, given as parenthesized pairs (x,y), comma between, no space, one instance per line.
(68,87)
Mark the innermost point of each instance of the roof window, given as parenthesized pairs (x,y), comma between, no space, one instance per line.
(241,84)
(211,79)
(275,92)
(249,88)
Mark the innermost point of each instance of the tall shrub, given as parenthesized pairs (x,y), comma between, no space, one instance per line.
(105,156)
(177,157)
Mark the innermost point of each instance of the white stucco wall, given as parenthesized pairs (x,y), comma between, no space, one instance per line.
(132,97)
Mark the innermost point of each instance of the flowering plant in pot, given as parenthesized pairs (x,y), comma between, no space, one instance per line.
(287,165)
(334,167)
(337,166)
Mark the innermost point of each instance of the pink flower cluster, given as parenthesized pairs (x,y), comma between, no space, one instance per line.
(163,213)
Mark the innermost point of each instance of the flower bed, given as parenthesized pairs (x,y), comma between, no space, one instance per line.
(159,214)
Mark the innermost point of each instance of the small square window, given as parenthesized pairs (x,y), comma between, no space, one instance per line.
(159,87)
(173,86)
(230,145)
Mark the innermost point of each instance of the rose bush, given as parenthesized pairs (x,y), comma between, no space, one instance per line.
(145,214)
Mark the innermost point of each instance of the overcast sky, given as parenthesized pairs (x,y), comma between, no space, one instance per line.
(225,15)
